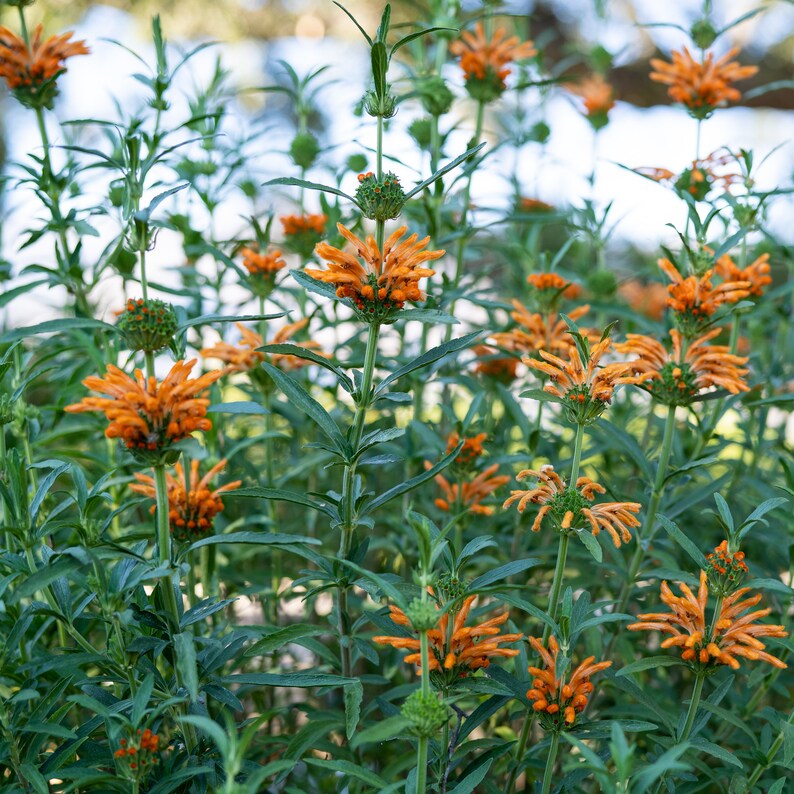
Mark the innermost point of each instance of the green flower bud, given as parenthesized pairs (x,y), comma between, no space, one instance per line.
(435,96)
(451,587)
(380,199)
(426,713)
(422,614)
(147,325)
(602,282)
(540,132)
(357,163)
(304,149)
(421,131)
(703,33)
(376,106)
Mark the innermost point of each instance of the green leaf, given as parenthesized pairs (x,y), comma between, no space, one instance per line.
(351,770)
(315,358)
(242,407)
(381,731)
(590,543)
(716,751)
(386,587)
(683,541)
(724,511)
(628,443)
(429,357)
(760,511)
(502,572)
(208,319)
(313,285)
(775,585)
(354,694)
(254,538)
(186,663)
(9,295)
(141,701)
(56,326)
(301,398)
(283,636)
(34,778)
(412,36)
(146,213)
(380,65)
(663,764)
(430,316)
(355,22)
(302,680)
(280,494)
(472,780)
(443,170)
(650,663)
(294,182)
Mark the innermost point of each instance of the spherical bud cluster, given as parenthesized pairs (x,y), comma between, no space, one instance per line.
(435,96)
(602,283)
(423,614)
(451,587)
(147,325)
(675,387)
(725,570)
(426,713)
(703,33)
(421,131)
(304,150)
(380,199)
(385,106)
(696,181)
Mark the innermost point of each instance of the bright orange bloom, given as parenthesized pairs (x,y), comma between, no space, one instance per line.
(138,754)
(485,62)
(468,495)
(244,357)
(262,264)
(385,281)
(297,224)
(598,97)
(648,299)
(192,507)
(570,508)
(696,298)
(756,274)
(493,365)
(701,176)
(734,634)
(32,67)
(554,698)
(146,415)
(471,449)
(702,87)
(674,378)
(538,331)
(455,655)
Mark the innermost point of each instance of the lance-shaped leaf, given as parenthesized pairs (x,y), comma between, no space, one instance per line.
(295,182)
(310,355)
(443,170)
(146,214)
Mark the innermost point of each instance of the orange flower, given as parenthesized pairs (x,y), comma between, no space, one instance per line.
(648,299)
(493,365)
(485,62)
(535,205)
(458,653)
(696,299)
(385,281)
(246,358)
(30,71)
(468,495)
(725,569)
(756,274)
(471,449)
(675,378)
(556,700)
(699,179)
(702,87)
(539,331)
(298,224)
(555,282)
(586,388)
(137,755)
(148,416)
(598,97)
(569,508)
(192,507)
(262,264)
(734,634)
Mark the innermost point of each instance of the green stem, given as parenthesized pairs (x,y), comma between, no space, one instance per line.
(577,455)
(421,751)
(693,708)
(556,586)
(770,755)
(521,748)
(550,761)
(144,280)
(164,540)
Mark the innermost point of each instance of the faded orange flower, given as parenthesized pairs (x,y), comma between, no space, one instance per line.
(677,377)
(558,701)
(146,415)
(756,274)
(457,653)
(297,224)
(701,86)
(192,507)
(569,508)
(468,495)
(649,299)
(491,364)
(485,61)
(734,634)
(386,280)
(538,331)
(30,71)
(598,97)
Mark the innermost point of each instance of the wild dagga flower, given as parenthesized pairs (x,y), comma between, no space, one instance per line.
(245,356)
(471,450)
(584,388)
(467,495)
(303,232)
(457,653)
(539,331)
(677,377)
(192,507)
(701,86)
(649,299)
(137,756)
(695,299)
(756,274)
(598,98)
(570,509)
(725,569)
(262,269)
(556,700)
(150,417)
(485,61)
(147,325)
(734,634)
(31,71)
(490,363)
(378,289)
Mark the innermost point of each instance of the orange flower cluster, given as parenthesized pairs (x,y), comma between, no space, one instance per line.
(598,97)
(725,569)
(701,86)
(648,299)
(538,331)
(570,508)
(265,265)
(192,507)
(138,756)
(385,281)
(756,274)
(485,61)
(734,634)
(30,71)
(298,224)
(557,701)
(676,378)
(468,495)
(146,415)
(492,365)
(471,449)
(699,179)
(695,298)
(460,652)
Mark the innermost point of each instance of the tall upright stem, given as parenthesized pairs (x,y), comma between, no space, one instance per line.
(550,760)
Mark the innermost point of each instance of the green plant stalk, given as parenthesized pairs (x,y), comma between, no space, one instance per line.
(421,751)
(550,761)
(770,756)
(8,537)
